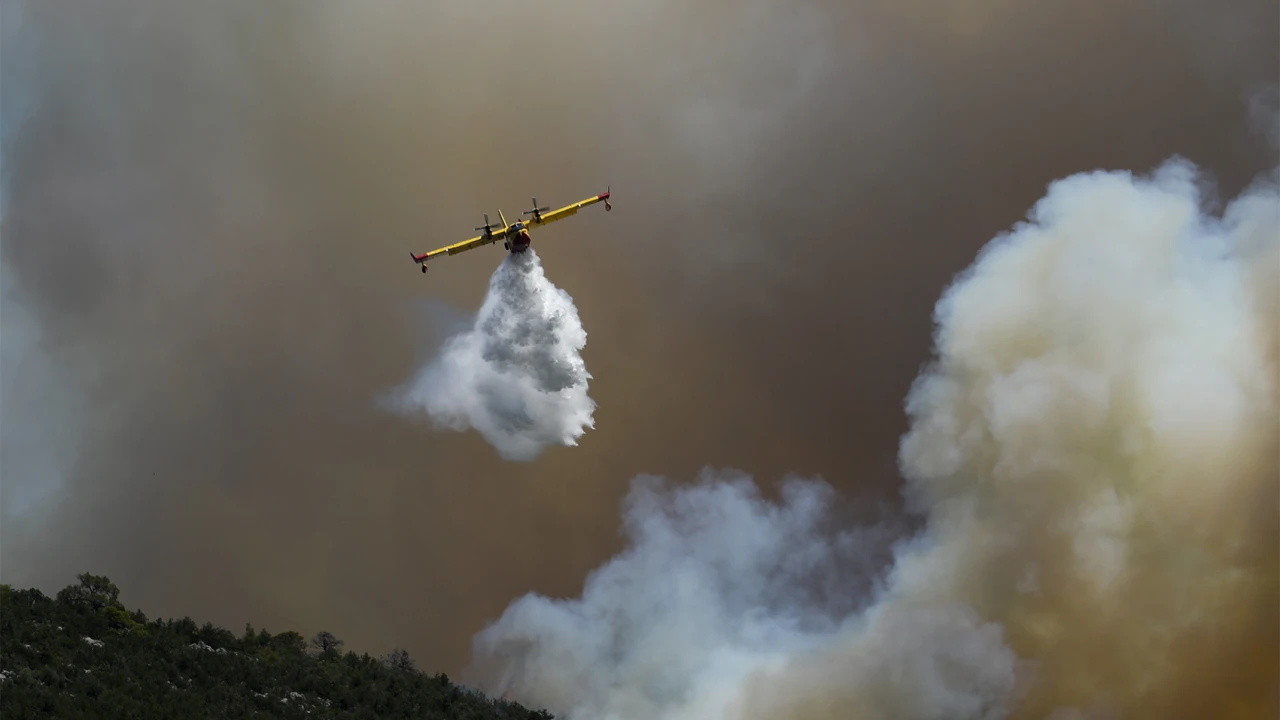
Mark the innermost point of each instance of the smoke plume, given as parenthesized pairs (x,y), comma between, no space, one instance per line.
(1094,453)
(208,207)
(517,376)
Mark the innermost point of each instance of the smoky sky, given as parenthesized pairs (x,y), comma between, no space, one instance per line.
(208,213)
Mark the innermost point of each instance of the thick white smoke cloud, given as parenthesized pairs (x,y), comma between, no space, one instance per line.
(718,582)
(517,376)
(1095,451)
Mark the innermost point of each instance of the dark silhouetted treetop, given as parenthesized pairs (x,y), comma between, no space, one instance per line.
(324,641)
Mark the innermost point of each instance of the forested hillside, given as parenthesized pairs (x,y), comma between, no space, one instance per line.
(83,655)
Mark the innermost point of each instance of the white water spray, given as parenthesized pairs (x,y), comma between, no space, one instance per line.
(517,376)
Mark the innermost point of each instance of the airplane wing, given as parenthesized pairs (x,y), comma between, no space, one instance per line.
(465,245)
(568,210)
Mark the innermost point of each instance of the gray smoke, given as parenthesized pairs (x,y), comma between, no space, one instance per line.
(37,453)
(517,376)
(718,582)
(1094,451)
(208,207)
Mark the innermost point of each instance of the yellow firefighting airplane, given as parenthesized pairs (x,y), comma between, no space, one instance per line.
(514,237)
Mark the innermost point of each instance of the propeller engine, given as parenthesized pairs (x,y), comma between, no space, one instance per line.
(487,227)
(536,212)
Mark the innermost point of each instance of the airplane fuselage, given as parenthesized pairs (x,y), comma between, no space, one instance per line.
(519,240)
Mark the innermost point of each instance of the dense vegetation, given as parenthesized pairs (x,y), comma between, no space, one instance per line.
(83,655)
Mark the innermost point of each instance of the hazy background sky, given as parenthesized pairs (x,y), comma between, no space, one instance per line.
(208,212)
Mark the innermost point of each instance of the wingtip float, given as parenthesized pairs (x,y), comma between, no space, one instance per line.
(515,236)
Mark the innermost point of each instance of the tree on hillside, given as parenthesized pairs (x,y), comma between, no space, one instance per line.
(399,659)
(324,641)
(289,644)
(94,591)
